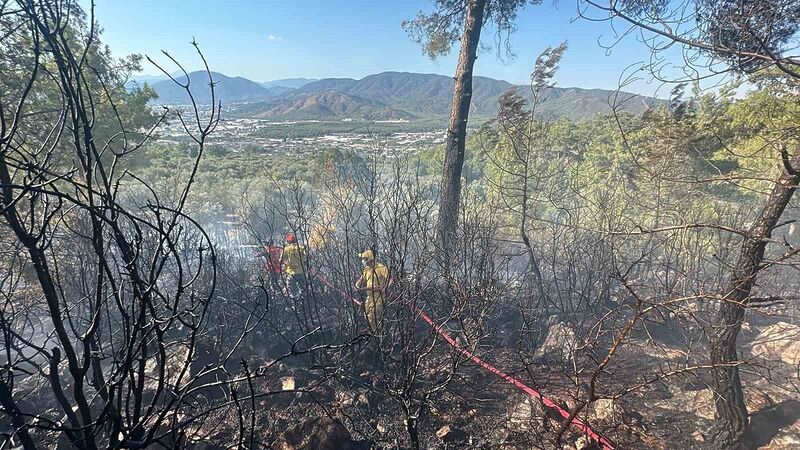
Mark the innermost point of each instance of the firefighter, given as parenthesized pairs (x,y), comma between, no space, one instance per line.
(375,281)
(292,260)
(273,265)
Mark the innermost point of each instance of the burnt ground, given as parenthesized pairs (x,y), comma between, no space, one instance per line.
(367,394)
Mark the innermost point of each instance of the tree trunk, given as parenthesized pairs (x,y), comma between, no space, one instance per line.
(17,418)
(731,409)
(457,128)
(413,432)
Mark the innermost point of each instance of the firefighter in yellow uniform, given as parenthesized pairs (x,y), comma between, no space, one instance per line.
(374,281)
(292,264)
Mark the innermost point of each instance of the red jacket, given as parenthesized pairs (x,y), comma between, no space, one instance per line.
(274,262)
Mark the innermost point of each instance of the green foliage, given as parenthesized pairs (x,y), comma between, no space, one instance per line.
(225,178)
(436,31)
(763,122)
(712,153)
(120,117)
(432,159)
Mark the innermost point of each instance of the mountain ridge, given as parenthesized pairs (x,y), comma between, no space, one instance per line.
(292,83)
(389,95)
(227,89)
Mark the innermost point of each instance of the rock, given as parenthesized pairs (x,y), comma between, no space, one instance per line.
(757,400)
(701,403)
(175,361)
(527,414)
(778,341)
(344,398)
(287,384)
(560,341)
(698,436)
(317,433)
(362,399)
(582,442)
(665,352)
(451,435)
(606,410)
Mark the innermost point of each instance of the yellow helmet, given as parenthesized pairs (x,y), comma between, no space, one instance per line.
(367,254)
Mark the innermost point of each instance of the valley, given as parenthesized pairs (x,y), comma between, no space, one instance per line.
(301,138)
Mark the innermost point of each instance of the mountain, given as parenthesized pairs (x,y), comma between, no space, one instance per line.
(228,90)
(279,91)
(293,83)
(387,95)
(422,94)
(578,104)
(326,84)
(428,95)
(325,104)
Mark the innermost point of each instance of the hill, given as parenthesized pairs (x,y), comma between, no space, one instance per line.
(579,104)
(228,89)
(325,104)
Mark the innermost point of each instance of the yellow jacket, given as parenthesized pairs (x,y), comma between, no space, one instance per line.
(293,256)
(376,277)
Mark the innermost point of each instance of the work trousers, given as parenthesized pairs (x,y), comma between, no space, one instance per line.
(295,284)
(373,308)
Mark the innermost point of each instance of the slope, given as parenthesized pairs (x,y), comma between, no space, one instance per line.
(325,104)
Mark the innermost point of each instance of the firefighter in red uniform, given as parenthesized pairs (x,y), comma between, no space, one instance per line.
(273,265)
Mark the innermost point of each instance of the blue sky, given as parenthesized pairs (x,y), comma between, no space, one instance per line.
(270,39)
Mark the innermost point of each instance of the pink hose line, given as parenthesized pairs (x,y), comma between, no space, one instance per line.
(576,422)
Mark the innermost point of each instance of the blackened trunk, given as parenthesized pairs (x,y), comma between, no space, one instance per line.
(457,128)
(413,433)
(731,409)
(17,418)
